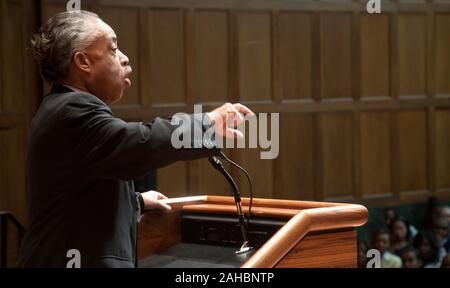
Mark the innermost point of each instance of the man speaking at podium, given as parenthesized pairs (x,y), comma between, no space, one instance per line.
(81,159)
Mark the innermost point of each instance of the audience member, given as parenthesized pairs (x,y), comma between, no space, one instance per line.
(388,215)
(427,245)
(446,262)
(411,258)
(400,235)
(363,247)
(401,245)
(381,242)
(433,210)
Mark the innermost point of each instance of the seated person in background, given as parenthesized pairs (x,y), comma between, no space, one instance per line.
(388,216)
(445,213)
(411,258)
(439,228)
(433,210)
(446,262)
(426,243)
(400,235)
(381,241)
(362,253)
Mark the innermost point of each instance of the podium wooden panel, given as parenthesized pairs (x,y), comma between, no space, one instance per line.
(316,234)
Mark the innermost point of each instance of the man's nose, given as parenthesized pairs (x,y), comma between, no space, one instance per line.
(123,59)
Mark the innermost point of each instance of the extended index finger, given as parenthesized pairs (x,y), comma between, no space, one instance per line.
(243,109)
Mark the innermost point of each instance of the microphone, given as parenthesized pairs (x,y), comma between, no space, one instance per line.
(217,164)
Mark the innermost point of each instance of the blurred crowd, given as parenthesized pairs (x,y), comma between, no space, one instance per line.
(402,245)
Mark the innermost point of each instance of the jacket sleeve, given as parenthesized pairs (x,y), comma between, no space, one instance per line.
(108,147)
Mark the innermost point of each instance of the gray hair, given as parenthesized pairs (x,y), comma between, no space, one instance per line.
(59,39)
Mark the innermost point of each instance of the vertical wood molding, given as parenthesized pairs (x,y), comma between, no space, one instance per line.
(356,96)
(319,192)
(233,68)
(144,56)
(276,87)
(356,53)
(2,26)
(188,15)
(317,58)
(395,161)
(394,56)
(431,94)
(395,96)
(276,75)
(193,167)
(317,96)
(357,187)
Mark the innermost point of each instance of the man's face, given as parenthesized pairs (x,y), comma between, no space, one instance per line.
(109,68)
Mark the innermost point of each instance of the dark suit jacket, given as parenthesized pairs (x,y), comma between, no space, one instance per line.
(81,160)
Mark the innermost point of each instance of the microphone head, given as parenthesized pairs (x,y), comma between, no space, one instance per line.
(215,161)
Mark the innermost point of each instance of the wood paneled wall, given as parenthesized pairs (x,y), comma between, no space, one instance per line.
(19,93)
(364,99)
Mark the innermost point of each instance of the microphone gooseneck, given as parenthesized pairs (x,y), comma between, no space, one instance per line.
(216,163)
(249,179)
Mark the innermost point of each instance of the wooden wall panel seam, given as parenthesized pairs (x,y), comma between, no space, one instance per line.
(316,82)
(275,52)
(394,79)
(430,84)
(234,81)
(395,158)
(189,57)
(356,55)
(1,53)
(357,187)
(319,192)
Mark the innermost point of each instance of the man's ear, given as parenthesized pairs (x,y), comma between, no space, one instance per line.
(82,62)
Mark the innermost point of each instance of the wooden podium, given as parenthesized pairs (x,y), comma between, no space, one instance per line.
(314,234)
